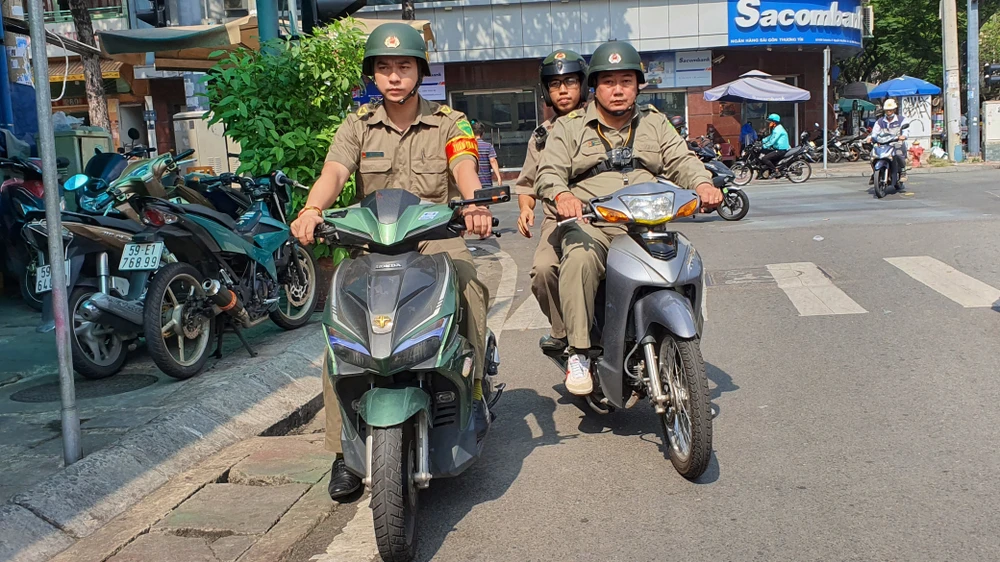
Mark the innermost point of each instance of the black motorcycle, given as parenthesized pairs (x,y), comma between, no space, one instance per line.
(735,203)
(794,165)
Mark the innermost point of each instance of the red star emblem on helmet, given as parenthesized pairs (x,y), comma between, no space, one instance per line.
(560,55)
(392,41)
(615,58)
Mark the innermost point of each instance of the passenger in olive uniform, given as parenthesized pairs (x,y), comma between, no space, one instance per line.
(562,75)
(595,152)
(428,149)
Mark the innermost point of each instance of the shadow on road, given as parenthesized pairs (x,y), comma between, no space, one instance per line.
(510,442)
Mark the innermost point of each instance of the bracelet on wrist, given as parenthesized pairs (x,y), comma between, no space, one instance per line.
(310,208)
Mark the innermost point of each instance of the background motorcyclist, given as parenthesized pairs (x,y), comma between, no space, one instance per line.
(776,143)
(892,123)
(592,153)
(428,149)
(561,74)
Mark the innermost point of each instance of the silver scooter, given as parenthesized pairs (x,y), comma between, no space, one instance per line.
(651,307)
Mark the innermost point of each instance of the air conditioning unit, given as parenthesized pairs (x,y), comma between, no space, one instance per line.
(868,22)
(211,146)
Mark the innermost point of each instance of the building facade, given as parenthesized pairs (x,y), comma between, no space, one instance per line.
(487,53)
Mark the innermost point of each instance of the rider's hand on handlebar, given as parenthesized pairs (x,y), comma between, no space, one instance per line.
(304,226)
(710,195)
(525,221)
(569,206)
(478,220)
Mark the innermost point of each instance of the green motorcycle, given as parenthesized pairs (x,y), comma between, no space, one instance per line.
(399,367)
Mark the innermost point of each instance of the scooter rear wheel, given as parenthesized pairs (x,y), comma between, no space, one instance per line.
(798,171)
(98,352)
(178,333)
(394,494)
(687,423)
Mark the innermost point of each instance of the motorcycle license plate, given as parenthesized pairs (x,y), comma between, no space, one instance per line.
(141,257)
(43,278)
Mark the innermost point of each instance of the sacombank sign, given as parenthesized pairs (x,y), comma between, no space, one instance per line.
(798,22)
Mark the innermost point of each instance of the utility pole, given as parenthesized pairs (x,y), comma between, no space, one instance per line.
(267,19)
(826,102)
(952,89)
(973,103)
(72,449)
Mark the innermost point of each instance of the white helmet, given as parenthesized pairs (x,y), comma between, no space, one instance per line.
(889,104)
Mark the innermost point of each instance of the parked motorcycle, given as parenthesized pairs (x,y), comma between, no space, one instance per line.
(794,165)
(649,320)
(229,273)
(104,299)
(20,195)
(399,367)
(735,203)
(885,167)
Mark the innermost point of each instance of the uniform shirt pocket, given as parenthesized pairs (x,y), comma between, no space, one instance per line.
(592,152)
(375,174)
(648,155)
(430,179)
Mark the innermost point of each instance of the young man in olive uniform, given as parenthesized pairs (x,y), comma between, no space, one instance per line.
(595,152)
(428,149)
(562,75)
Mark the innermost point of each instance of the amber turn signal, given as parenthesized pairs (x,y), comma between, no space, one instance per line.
(611,215)
(688,209)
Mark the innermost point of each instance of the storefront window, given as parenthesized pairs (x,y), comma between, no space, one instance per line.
(509,117)
(757,112)
(669,103)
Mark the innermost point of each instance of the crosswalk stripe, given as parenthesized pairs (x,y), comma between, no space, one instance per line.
(811,292)
(957,286)
(528,316)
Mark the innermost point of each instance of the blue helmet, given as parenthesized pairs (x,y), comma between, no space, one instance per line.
(774,117)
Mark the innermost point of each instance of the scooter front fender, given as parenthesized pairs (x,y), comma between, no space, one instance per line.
(668,309)
(386,407)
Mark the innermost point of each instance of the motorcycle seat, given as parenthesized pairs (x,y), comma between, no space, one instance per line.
(107,222)
(218,217)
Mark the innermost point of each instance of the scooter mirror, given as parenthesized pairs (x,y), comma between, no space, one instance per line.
(76,182)
(133,133)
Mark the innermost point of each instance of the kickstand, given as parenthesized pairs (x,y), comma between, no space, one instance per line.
(218,349)
(243,340)
(497,391)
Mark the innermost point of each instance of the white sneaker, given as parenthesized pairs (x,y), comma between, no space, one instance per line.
(578,379)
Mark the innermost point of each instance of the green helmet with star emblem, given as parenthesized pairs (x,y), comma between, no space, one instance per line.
(395,40)
(559,63)
(612,56)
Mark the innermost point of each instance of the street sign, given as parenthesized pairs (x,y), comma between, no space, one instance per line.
(149,115)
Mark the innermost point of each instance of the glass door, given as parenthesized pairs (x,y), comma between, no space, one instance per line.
(757,112)
(510,116)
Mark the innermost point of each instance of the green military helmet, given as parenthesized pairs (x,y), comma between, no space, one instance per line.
(395,40)
(615,55)
(559,63)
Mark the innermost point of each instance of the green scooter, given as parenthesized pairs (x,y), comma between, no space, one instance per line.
(399,367)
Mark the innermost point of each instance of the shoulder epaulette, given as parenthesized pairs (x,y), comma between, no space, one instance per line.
(651,108)
(574,114)
(443,109)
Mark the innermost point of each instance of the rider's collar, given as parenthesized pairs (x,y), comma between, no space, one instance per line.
(592,114)
(425,114)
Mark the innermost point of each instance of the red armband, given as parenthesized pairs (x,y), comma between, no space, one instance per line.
(461,145)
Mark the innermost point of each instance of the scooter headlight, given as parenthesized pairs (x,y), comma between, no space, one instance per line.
(421,347)
(349,351)
(650,209)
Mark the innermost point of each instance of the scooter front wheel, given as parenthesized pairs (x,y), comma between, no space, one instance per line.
(394,493)
(735,205)
(743,174)
(687,423)
(881,179)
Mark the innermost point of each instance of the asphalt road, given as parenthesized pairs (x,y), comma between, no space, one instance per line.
(860,431)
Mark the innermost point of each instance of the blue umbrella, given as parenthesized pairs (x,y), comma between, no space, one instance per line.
(903,86)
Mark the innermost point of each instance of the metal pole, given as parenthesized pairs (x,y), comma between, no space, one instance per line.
(826,101)
(72,450)
(293,20)
(952,89)
(973,103)
(6,112)
(267,19)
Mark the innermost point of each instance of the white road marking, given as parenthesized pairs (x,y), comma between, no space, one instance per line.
(504,298)
(528,316)
(957,286)
(812,293)
(356,543)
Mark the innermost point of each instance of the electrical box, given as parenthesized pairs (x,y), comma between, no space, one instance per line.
(211,147)
(991,130)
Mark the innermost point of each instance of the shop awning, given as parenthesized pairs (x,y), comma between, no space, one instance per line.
(756,86)
(189,47)
(110,70)
(20,27)
(847,105)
